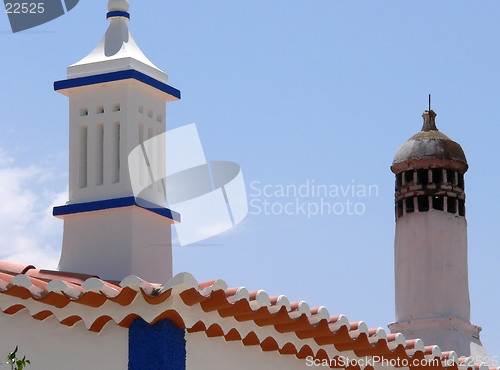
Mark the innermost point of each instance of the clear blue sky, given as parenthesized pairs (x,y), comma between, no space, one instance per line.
(292,91)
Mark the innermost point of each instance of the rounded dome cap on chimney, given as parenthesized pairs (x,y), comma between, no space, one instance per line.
(118,5)
(429,148)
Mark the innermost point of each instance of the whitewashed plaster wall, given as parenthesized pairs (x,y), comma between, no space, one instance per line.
(49,345)
(217,354)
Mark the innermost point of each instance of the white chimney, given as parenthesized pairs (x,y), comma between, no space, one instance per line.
(117,102)
(432,288)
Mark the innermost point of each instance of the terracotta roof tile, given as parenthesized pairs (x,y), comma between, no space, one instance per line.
(278,325)
(48,275)
(14,268)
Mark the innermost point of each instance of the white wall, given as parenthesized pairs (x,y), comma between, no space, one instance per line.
(217,354)
(50,345)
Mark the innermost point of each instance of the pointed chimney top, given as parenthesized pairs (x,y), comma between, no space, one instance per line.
(117,51)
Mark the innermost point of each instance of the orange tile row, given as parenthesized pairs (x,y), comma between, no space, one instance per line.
(58,289)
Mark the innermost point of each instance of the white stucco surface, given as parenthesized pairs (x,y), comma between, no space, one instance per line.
(432,291)
(449,333)
(115,243)
(217,354)
(431,266)
(49,345)
(100,169)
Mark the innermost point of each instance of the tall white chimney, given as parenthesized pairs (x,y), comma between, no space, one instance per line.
(117,102)
(432,288)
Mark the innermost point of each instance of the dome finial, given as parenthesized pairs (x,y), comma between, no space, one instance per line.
(429,119)
(118,8)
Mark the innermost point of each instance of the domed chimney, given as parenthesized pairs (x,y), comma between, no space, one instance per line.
(432,288)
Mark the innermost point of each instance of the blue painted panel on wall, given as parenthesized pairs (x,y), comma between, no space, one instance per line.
(159,346)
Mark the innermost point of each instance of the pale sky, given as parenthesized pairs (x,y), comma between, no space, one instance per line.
(295,92)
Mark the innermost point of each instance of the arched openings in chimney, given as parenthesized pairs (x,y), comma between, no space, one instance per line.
(423,189)
(423,203)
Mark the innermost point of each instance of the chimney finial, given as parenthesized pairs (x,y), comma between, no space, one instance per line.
(429,119)
(118,8)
